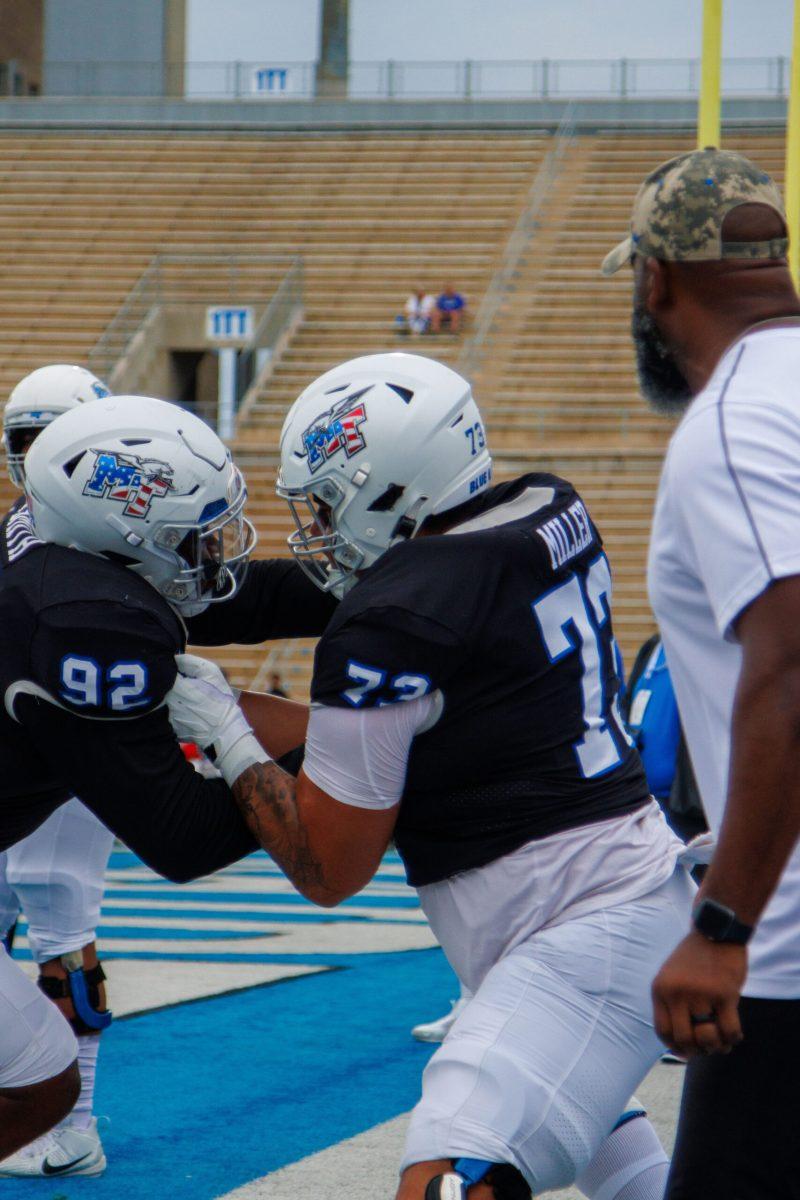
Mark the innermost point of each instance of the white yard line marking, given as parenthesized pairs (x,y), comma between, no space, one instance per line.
(351,937)
(180,907)
(134,882)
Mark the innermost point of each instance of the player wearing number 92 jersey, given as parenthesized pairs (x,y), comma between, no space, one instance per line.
(133,530)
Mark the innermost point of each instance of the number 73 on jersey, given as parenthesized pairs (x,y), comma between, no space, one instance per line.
(574,618)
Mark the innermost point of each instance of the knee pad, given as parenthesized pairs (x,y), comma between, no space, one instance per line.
(81,986)
(506,1182)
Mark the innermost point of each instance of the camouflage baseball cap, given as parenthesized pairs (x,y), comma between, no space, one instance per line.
(680,207)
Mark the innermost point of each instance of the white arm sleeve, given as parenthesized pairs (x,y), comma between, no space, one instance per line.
(360,757)
(736,478)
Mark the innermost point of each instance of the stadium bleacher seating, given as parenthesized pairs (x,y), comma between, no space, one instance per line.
(372,215)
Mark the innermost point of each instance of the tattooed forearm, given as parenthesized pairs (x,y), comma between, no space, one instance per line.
(266,798)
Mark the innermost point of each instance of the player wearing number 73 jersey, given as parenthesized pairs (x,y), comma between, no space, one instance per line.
(464,701)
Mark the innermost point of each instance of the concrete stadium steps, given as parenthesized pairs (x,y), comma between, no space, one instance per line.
(372,215)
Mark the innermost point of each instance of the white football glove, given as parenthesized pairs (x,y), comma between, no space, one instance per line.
(203,709)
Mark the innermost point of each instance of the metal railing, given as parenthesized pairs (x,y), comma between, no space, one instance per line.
(126,322)
(516,246)
(468,79)
(278,321)
(174,284)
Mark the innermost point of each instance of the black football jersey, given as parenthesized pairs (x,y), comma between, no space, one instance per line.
(87,655)
(508,617)
(276,599)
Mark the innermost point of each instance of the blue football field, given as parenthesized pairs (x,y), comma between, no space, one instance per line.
(251,1029)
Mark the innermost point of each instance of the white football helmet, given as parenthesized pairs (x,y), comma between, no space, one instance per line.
(149,485)
(36,400)
(368,451)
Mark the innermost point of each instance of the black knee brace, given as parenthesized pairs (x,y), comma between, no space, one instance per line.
(508,1183)
(505,1181)
(82,987)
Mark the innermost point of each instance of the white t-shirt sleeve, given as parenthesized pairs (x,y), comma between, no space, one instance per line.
(734,475)
(360,757)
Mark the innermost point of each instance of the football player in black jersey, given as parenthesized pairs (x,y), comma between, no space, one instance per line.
(132,529)
(56,874)
(464,702)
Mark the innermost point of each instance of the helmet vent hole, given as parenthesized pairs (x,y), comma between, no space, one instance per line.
(342,388)
(136,441)
(457,421)
(404,393)
(69,467)
(387,500)
(362,392)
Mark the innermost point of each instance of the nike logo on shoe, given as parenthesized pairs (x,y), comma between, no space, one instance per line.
(49,1169)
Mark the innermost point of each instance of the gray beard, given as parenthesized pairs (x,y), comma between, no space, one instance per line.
(662,383)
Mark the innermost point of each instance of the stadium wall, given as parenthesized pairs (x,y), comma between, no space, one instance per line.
(147,113)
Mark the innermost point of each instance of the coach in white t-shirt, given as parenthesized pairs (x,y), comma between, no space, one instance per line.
(717,333)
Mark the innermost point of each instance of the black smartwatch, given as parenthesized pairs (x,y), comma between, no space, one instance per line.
(720,924)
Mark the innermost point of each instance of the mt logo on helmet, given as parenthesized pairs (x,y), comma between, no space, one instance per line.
(134,481)
(337,429)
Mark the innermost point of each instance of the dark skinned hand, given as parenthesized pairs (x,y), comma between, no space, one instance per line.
(698,978)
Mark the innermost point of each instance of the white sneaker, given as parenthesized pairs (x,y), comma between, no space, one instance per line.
(62,1151)
(437,1031)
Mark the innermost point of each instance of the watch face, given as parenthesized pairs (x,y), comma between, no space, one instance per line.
(713,920)
(720,924)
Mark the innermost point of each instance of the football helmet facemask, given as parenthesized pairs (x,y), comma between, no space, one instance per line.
(368,452)
(148,485)
(36,400)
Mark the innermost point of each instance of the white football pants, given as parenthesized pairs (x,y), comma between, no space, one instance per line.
(55,876)
(36,1042)
(539,1065)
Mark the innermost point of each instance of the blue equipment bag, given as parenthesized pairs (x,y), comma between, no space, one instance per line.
(654,723)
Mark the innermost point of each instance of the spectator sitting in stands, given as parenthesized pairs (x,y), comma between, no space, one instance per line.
(419,308)
(449,310)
